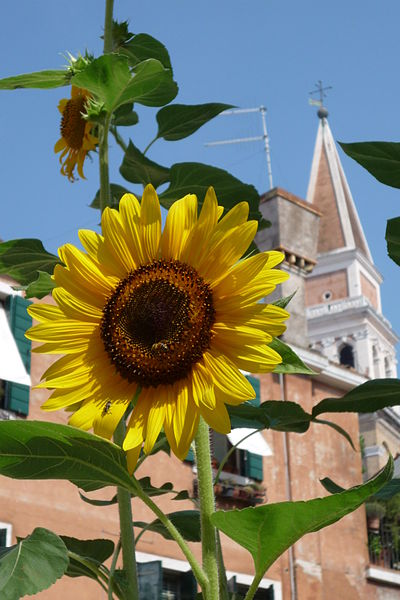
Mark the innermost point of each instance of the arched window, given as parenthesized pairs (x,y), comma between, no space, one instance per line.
(346,356)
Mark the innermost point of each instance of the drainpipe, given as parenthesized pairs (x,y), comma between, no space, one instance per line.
(288,490)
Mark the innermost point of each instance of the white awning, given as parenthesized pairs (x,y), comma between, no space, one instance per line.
(11,366)
(255,443)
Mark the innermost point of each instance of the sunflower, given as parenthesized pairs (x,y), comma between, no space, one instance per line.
(168,318)
(76,133)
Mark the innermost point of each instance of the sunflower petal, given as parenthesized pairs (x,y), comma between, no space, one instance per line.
(150,220)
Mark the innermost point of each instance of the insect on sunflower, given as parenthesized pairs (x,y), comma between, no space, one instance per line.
(175,314)
(76,133)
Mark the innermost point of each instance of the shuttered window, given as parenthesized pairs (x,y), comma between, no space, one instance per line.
(17,395)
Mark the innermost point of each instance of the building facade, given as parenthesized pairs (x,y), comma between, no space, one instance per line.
(338,329)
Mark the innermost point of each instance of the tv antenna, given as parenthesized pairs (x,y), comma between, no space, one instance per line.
(240,111)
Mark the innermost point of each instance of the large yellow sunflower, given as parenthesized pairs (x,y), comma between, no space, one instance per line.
(76,133)
(174,314)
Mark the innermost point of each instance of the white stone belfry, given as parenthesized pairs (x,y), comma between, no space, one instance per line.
(344,312)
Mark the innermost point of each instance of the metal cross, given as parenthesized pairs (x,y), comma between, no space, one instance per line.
(321,91)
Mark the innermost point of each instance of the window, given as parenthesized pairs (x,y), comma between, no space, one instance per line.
(241,590)
(346,356)
(15,396)
(158,583)
(388,369)
(5,535)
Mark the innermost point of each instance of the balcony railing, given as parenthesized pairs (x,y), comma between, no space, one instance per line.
(383,549)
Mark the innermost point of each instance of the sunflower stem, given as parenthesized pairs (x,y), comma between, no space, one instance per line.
(108,20)
(196,568)
(207,508)
(126,524)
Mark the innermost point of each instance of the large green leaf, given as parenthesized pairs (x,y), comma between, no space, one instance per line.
(366,398)
(178,121)
(273,414)
(110,80)
(291,363)
(22,259)
(33,565)
(94,552)
(143,46)
(196,178)
(41,287)
(381,159)
(125,116)
(43,450)
(41,79)
(393,239)
(117,191)
(137,168)
(187,523)
(267,531)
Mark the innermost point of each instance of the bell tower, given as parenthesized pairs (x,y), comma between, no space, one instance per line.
(344,312)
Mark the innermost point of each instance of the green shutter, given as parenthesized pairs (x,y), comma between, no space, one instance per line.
(253,463)
(17,395)
(150,580)
(190,455)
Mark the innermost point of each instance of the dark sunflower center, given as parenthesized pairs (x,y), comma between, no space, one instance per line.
(72,122)
(158,322)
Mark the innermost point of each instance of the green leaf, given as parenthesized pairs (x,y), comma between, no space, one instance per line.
(283,302)
(41,287)
(22,259)
(291,363)
(273,414)
(267,531)
(366,398)
(95,502)
(187,523)
(332,487)
(40,79)
(33,565)
(381,159)
(143,46)
(117,191)
(390,489)
(43,450)
(125,115)
(393,239)
(109,79)
(137,168)
(337,428)
(94,551)
(178,121)
(196,178)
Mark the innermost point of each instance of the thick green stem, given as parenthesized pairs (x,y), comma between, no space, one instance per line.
(105,194)
(108,41)
(127,533)
(207,508)
(112,570)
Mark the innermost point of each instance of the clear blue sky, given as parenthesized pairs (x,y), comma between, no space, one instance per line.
(250,53)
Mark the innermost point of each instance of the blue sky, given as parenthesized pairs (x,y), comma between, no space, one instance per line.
(268,52)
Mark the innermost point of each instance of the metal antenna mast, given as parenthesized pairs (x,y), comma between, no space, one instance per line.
(238,111)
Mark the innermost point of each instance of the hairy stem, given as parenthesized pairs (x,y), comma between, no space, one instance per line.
(196,568)
(108,42)
(207,508)
(127,534)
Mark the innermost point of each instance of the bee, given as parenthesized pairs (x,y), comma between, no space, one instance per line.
(159,347)
(106,409)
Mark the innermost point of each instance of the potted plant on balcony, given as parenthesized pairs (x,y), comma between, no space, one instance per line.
(375,512)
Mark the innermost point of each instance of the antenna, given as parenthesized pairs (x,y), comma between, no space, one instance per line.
(239,111)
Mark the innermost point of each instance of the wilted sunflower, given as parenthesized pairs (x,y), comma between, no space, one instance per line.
(76,137)
(173,312)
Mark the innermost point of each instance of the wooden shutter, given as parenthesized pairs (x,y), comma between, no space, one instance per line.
(17,395)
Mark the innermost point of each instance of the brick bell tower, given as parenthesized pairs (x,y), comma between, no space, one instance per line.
(344,312)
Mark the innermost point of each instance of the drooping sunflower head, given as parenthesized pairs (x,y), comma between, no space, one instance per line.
(174,314)
(76,133)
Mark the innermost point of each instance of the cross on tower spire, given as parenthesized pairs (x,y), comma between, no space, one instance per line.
(321,90)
